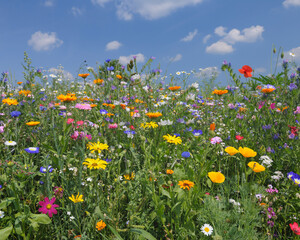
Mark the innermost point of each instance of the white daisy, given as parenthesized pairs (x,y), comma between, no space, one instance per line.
(207,229)
(10,143)
(2,214)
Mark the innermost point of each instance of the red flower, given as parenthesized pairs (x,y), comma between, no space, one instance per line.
(295,228)
(294,130)
(238,137)
(246,70)
(132,127)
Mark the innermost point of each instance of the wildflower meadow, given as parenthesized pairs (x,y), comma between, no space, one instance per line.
(129,152)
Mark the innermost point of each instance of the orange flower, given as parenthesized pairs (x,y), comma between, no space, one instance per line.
(169,171)
(123,105)
(212,127)
(246,70)
(247,152)
(100,225)
(258,87)
(110,114)
(219,92)
(24,92)
(154,115)
(216,177)
(186,184)
(32,123)
(98,81)
(67,98)
(231,151)
(19,83)
(93,105)
(267,90)
(78,236)
(112,106)
(241,109)
(119,76)
(83,75)
(175,88)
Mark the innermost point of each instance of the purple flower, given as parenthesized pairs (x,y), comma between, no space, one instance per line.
(197,133)
(32,150)
(44,170)
(292,86)
(15,113)
(185,154)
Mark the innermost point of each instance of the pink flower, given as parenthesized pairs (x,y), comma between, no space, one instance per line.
(83,106)
(1,129)
(62,107)
(112,126)
(70,120)
(215,140)
(297,110)
(295,228)
(261,104)
(47,207)
(75,135)
(272,106)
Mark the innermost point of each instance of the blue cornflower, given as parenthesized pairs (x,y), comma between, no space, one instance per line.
(32,150)
(108,160)
(107,60)
(177,134)
(15,113)
(197,133)
(185,154)
(44,170)
(111,68)
(103,111)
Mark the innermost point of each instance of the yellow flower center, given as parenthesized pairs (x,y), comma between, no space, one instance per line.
(48,206)
(95,164)
(206,229)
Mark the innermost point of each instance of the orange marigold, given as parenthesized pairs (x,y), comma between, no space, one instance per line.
(219,92)
(83,75)
(67,98)
(169,171)
(119,76)
(9,101)
(186,184)
(175,88)
(98,81)
(32,123)
(100,225)
(24,92)
(154,115)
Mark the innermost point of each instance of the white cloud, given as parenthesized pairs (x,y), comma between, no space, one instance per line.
(100,2)
(49,3)
(293,54)
(288,3)
(208,72)
(190,36)
(260,70)
(126,59)
(219,47)
(220,31)
(44,41)
(149,9)
(61,73)
(206,38)
(76,11)
(114,45)
(176,58)
(251,34)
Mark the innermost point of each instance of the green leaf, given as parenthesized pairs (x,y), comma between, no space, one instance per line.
(40,218)
(6,202)
(5,232)
(143,233)
(165,193)
(209,183)
(114,231)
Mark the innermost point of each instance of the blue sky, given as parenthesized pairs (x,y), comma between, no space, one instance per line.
(182,34)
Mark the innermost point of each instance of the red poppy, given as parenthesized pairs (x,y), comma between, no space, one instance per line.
(246,70)
(238,137)
(132,127)
(295,228)
(294,130)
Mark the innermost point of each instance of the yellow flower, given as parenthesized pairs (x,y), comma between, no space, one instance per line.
(9,101)
(129,177)
(32,123)
(231,151)
(247,152)
(172,139)
(24,92)
(67,98)
(186,184)
(95,163)
(98,81)
(76,199)
(256,167)
(97,147)
(216,177)
(100,225)
(149,125)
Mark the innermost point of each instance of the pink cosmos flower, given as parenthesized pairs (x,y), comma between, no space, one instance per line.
(83,106)
(297,110)
(272,106)
(261,104)
(70,120)
(112,126)
(215,140)
(47,207)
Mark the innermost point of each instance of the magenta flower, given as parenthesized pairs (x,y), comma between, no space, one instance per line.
(47,207)
(215,140)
